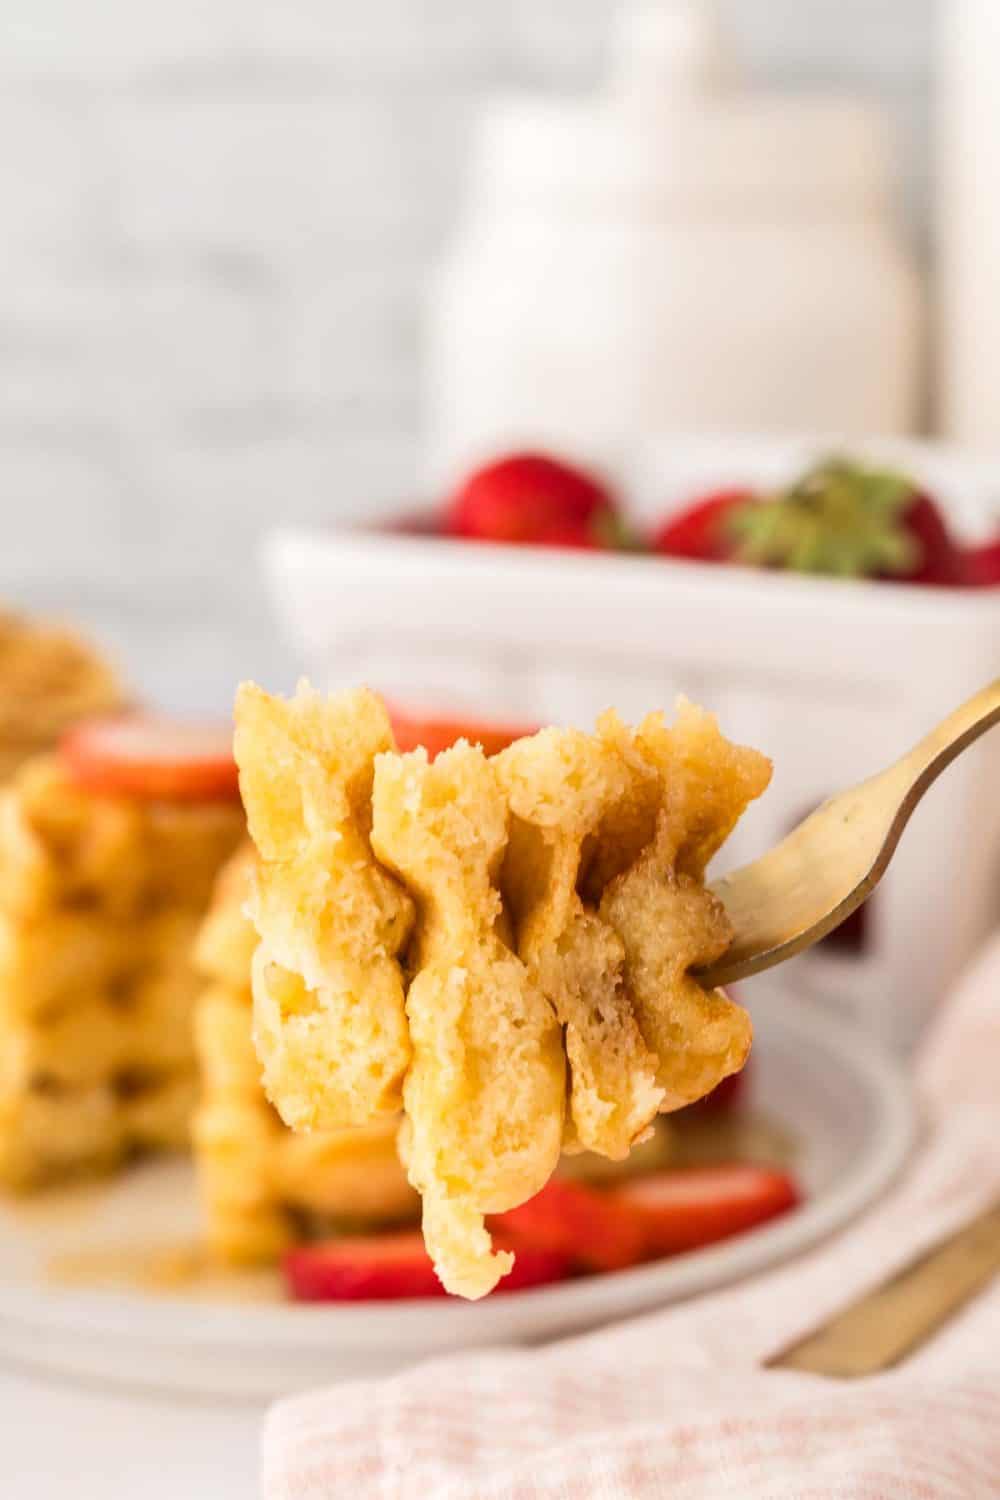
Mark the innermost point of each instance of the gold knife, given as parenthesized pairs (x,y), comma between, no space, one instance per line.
(885,1325)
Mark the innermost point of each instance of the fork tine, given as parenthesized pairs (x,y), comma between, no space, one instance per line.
(814,879)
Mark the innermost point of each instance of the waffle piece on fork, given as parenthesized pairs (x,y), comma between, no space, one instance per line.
(328,986)
(484,1094)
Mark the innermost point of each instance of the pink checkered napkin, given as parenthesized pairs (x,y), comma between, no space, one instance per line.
(675,1405)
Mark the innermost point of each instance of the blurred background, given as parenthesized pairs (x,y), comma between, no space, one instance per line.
(218,223)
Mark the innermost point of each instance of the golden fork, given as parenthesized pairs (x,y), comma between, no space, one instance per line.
(783,903)
(815,878)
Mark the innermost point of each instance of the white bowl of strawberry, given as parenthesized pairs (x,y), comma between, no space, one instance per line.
(839,517)
(829,608)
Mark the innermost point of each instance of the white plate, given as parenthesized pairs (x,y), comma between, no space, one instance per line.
(848,1105)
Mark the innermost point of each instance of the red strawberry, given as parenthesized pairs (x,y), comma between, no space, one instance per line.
(841,519)
(694,1206)
(436,735)
(940,559)
(388,1267)
(699,531)
(596,1231)
(534,1265)
(982,565)
(362,1268)
(530,498)
(152,759)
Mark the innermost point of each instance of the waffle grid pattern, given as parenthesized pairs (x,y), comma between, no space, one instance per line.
(100,902)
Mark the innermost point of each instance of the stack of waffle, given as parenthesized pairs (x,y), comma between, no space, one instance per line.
(101,898)
(48,680)
(262,1186)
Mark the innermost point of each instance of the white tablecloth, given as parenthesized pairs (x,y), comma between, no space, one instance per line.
(63,1441)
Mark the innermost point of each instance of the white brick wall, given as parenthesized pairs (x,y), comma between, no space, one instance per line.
(215,218)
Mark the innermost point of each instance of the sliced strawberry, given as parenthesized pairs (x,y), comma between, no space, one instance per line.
(530,498)
(689,1207)
(534,1265)
(389,1267)
(436,735)
(981,565)
(699,531)
(359,1268)
(597,1231)
(152,759)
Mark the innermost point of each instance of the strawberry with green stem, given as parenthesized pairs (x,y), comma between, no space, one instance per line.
(841,519)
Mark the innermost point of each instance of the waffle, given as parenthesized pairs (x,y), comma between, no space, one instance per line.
(659,907)
(564,789)
(332,921)
(558,905)
(49,679)
(484,1094)
(100,903)
(263,1186)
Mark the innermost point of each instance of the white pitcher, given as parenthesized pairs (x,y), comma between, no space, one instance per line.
(675,254)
